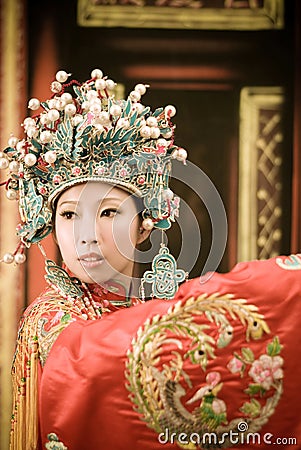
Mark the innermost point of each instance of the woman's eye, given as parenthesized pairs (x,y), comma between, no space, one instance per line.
(109,212)
(68,214)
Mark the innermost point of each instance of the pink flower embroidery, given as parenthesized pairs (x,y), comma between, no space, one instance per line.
(213,378)
(266,370)
(218,406)
(235,365)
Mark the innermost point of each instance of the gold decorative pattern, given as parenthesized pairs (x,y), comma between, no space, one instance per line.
(194,333)
(185,14)
(41,325)
(260,173)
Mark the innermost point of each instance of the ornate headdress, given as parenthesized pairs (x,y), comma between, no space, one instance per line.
(83,133)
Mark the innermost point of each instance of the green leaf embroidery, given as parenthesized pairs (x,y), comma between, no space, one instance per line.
(254,389)
(66,318)
(248,355)
(274,347)
(251,408)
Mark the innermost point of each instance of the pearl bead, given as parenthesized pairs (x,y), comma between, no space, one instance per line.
(50,156)
(110,85)
(56,87)
(145,132)
(66,97)
(139,107)
(3,163)
(151,121)
(155,132)
(96,73)
(8,258)
(91,94)
(34,104)
(59,104)
(95,101)
(29,122)
(53,115)
(100,84)
(95,108)
(141,88)
(148,224)
(20,258)
(30,159)
(104,118)
(85,106)
(70,109)
(20,146)
(77,119)
(14,167)
(12,141)
(62,76)
(170,110)
(115,110)
(182,155)
(11,194)
(123,123)
(44,119)
(45,137)
(31,132)
(168,194)
(52,103)
(135,96)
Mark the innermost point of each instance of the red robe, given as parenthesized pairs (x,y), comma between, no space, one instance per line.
(219,362)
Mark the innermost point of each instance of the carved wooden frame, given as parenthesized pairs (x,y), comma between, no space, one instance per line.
(270,16)
(260,173)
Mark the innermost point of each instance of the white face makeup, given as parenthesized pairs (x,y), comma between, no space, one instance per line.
(97,230)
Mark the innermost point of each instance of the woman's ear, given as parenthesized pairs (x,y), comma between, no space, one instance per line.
(143,234)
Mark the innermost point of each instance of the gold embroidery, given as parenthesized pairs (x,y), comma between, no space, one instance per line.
(33,345)
(189,335)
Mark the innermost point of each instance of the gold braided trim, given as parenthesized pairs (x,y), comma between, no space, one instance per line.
(31,352)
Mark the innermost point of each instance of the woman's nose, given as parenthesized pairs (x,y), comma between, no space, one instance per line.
(89,241)
(86,233)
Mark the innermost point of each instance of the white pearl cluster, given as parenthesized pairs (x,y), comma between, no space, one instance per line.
(9,258)
(42,127)
(93,104)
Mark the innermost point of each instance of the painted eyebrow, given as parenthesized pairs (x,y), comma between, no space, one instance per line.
(105,199)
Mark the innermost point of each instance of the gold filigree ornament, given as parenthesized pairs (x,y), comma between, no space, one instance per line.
(165,357)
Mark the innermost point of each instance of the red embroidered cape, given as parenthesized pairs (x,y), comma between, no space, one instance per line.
(220,361)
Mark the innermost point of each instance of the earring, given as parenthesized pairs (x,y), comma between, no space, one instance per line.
(164,276)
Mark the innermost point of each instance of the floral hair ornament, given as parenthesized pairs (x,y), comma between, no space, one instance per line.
(83,133)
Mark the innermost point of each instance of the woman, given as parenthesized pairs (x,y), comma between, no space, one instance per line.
(204,369)
(95,171)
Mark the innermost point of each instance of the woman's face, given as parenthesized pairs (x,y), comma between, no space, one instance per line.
(97,230)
